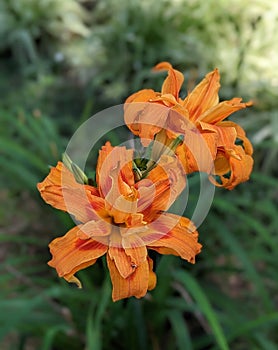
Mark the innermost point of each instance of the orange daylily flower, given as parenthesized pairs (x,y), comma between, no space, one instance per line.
(210,143)
(121,218)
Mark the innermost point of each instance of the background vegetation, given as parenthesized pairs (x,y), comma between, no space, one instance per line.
(62,61)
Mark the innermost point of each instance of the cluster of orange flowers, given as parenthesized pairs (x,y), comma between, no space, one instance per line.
(125,214)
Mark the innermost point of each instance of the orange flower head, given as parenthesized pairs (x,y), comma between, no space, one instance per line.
(209,140)
(121,218)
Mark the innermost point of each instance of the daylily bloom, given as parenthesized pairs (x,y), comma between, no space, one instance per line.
(210,144)
(121,218)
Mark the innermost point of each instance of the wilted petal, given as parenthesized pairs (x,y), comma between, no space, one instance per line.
(71,254)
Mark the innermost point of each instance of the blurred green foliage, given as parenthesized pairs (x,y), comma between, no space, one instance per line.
(60,62)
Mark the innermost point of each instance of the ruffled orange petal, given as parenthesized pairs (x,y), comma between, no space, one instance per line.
(134,220)
(135,284)
(204,96)
(113,158)
(179,121)
(60,175)
(240,134)
(81,204)
(147,193)
(221,164)
(221,111)
(121,200)
(135,248)
(116,182)
(71,278)
(161,187)
(169,180)
(174,80)
(240,168)
(225,136)
(144,95)
(117,254)
(71,254)
(137,110)
(60,190)
(152,275)
(167,99)
(171,233)
(95,228)
(150,119)
(54,181)
(198,151)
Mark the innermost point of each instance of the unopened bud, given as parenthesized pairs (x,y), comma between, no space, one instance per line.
(79,174)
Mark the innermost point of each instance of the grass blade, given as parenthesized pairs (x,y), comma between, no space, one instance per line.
(192,287)
(180,330)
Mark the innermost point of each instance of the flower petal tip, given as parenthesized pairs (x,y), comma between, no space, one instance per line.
(162,66)
(73,279)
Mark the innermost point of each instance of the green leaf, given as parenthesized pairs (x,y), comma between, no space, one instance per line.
(233,243)
(203,305)
(253,325)
(180,330)
(95,318)
(49,337)
(18,152)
